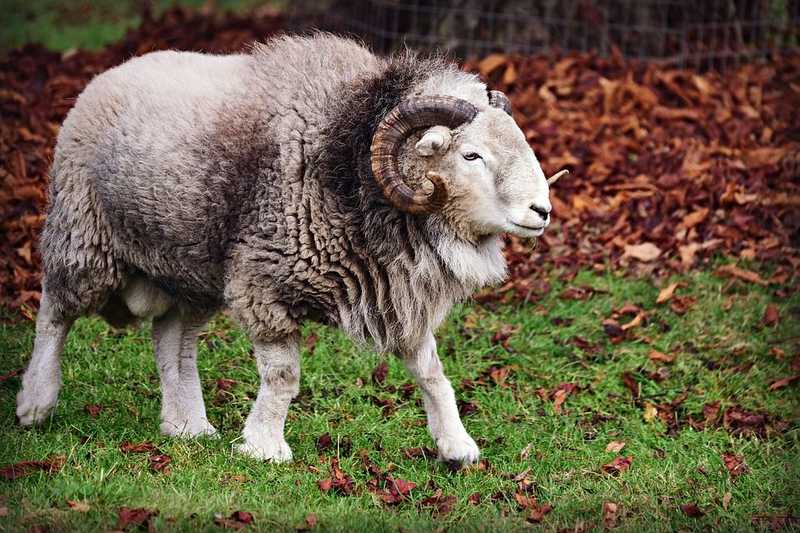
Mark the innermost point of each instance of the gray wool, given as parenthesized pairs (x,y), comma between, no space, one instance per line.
(243,182)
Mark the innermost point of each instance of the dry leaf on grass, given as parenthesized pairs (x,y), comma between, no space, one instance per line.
(610,510)
(237,520)
(732,271)
(692,510)
(645,251)
(615,446)
(735,464)
(135,516)
(666,293)
(657,356)
(51,465)
(78,506)
(618,465)
(379,373)
(784,382)
(771,315)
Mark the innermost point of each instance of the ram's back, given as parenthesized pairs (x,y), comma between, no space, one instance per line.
(133,149)
(172,155)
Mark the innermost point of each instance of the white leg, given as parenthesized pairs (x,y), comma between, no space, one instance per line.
(279,368)
(452,440)
(183,412)
(42,379)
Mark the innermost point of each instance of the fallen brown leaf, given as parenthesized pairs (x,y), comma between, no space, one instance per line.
(739,421)
(783,382)
(339,482)
(423,452)
(657,356)
(645,251)
(612,328)
(467,408)
(526,451)
(618,465)
(441,503)
(576,293)
(135,516)
(93,409)
(237,520)
(775,522)
(559,394)
(324,442)
(159,462)
(680,304)
(78,506)
(666,293)
(9,375)
(491,62)
(631,384)
(615,446)
(538,512)
(15,471)
(740,273)
(379,373)
(141,447)
(771,316)
(635,322)
(735,464)
(692,510)
(502,335)
(650,412)
(694,218)
(225,384)
(311,342)
(610,510)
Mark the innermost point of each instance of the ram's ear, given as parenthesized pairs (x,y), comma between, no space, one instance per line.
(435,141)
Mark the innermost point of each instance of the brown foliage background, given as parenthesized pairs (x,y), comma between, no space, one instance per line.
(667,166)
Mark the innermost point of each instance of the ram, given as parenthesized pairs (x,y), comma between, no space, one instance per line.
(305,180)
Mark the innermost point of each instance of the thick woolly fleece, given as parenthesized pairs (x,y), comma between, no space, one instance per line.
(244,182)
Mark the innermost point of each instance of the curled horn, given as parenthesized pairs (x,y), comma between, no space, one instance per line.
(499,99)
(409,116)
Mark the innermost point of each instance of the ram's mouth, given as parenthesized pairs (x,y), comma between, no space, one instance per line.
(528,230)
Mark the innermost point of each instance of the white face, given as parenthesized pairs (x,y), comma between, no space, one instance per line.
(497,184)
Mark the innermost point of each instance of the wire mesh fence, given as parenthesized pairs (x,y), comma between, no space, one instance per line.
(700,33)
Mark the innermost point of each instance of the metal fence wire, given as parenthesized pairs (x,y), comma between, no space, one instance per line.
(699,33)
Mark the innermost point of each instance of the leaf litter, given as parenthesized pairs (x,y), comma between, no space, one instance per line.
(666,165)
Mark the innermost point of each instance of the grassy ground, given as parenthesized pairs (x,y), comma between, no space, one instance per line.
(713,348)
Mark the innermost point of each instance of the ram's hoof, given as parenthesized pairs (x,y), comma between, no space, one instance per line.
(460,449)
(188,430)
(33,409)
(275,451)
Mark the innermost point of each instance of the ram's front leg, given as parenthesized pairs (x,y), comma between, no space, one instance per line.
(279,368)
(452,440)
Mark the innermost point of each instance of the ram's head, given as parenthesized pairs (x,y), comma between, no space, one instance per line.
(479,170)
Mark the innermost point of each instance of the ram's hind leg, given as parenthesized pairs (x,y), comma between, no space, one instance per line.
(183,412)
(279,368)
(41,382)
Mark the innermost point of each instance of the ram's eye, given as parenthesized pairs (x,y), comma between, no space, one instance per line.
(472,156)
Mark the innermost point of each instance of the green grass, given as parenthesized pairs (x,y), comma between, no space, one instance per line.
(62,25)
(116,370)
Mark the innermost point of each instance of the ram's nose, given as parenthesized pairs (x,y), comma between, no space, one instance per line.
(542,209)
